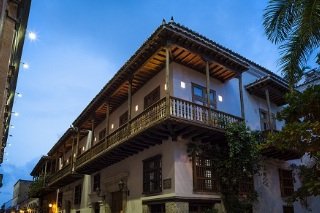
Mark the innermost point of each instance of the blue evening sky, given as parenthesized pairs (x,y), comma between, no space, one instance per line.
(82,44)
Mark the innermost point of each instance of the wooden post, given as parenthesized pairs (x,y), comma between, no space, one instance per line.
(92,132)
(107,116)
(129,97)
(57,163)
(269,110)
(72,151)
(78,140)
(208,83)
(241,97)
(45,173)
(167,80)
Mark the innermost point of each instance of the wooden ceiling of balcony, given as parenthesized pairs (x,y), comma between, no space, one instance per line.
(277,89)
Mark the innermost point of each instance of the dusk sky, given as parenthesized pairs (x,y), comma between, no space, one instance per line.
(82,44)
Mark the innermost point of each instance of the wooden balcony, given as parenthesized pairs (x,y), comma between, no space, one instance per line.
(63,177)
(156,123)
(277,153)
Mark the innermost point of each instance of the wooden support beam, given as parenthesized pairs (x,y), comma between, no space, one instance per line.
(129,97)
(269,110)
(241,97)
(107,116)
(208,84)
(92,131)
(167,80)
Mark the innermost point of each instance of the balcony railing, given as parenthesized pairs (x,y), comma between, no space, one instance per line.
(200,114)
(178,108)
(59,174)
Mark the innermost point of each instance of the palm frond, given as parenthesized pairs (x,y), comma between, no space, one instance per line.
(299,45)
(279,17)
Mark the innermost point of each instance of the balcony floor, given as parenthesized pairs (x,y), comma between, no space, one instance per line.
(154,135)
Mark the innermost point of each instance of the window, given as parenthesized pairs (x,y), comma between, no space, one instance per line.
(288,209)
(77,194)
(152,175)
(286,182)
(203,175)
(199,96)
(102,135)
(123,118)
(265,122)
(158,208)
(152,97)
(96,182)
(246,186)
(60,197)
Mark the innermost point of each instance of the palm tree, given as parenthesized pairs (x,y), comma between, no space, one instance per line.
(295,26)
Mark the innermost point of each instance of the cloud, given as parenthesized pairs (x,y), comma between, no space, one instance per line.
(11,174)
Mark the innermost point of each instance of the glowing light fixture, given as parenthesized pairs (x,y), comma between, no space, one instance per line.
(220,98)
(50,205)
(32,35)
(25,65)
(83,148)
(137,107)
(183,84)
(165,86)
(19,94)
(15,113)
(112,126)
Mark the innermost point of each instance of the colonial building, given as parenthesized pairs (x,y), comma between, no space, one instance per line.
(127,150)
(13,23)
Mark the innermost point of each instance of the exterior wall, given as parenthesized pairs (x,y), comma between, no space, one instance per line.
(137,99)
(254,103)
(228,90)
(20,192)
(11,44)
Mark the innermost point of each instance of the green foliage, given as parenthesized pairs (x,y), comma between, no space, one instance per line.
(302,133)
(234,160)
(295,26)
(36,186)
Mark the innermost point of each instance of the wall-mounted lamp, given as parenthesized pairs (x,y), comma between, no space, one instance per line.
(112,126)
(220,98)
(165,86)
(137,108)
(50,205)
(15,113)
(123,187)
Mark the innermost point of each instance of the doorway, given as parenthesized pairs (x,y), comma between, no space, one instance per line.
(116,205)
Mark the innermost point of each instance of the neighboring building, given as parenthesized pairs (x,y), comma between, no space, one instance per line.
(13,23)
(312,77)
(20,193)
(127,150)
